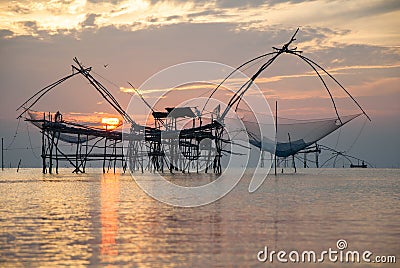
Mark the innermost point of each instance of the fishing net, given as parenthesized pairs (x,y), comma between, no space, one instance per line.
(36,119)
(292,135)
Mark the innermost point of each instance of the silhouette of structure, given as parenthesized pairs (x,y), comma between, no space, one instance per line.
(196,148)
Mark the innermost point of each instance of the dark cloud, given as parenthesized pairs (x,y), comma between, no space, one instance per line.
(366,10)
(152,19)
(221,3)
(118,9)
(65,2)
(114,2)
(240,3)
(380,8)
(19,10)
(358,54)
(276,2)
(5,33)
(34,29)
(90,20)
(30,24)
(206,13)
(175,17)
(320,34)
(236,3)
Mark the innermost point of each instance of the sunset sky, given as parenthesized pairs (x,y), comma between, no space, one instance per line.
(357,41)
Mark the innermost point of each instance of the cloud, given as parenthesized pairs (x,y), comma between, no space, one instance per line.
(240,3)
(5,33)
(90,20)
(19,9)
(380,7)
(152,19)
(221,3)
(277,2)
(30,24)
(206,13)
(114,2)
(73,17)
(136,55)
(174,17)
(358,55)
(30,27)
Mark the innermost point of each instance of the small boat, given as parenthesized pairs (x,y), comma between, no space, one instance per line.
(363,165)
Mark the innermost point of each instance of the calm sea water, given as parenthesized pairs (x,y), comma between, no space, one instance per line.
(99,219)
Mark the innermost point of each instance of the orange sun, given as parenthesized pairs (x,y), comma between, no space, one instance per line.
(110,123)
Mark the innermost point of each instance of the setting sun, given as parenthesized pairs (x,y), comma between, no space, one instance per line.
(110,123)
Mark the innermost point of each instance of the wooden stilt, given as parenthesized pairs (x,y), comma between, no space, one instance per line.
(43,147)
(56,150)
(276,132)
(2,153)
(19,164)
(105,151)
(51,153)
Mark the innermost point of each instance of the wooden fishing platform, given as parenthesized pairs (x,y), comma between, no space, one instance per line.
(197,147)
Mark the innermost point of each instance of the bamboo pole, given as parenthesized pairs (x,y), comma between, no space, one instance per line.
(2,153)
(43,147)
(56,151)
(19,164)
(104,159)
(276,131)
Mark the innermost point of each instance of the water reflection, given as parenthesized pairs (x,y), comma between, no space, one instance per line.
(100,220)
(109,197)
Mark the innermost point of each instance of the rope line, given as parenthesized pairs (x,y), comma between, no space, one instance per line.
(30,142)
(15,135)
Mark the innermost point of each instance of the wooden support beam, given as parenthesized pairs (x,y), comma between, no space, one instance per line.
(104,159)
(2,153)
(276,132)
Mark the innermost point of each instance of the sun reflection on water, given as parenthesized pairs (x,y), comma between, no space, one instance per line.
(109,196)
